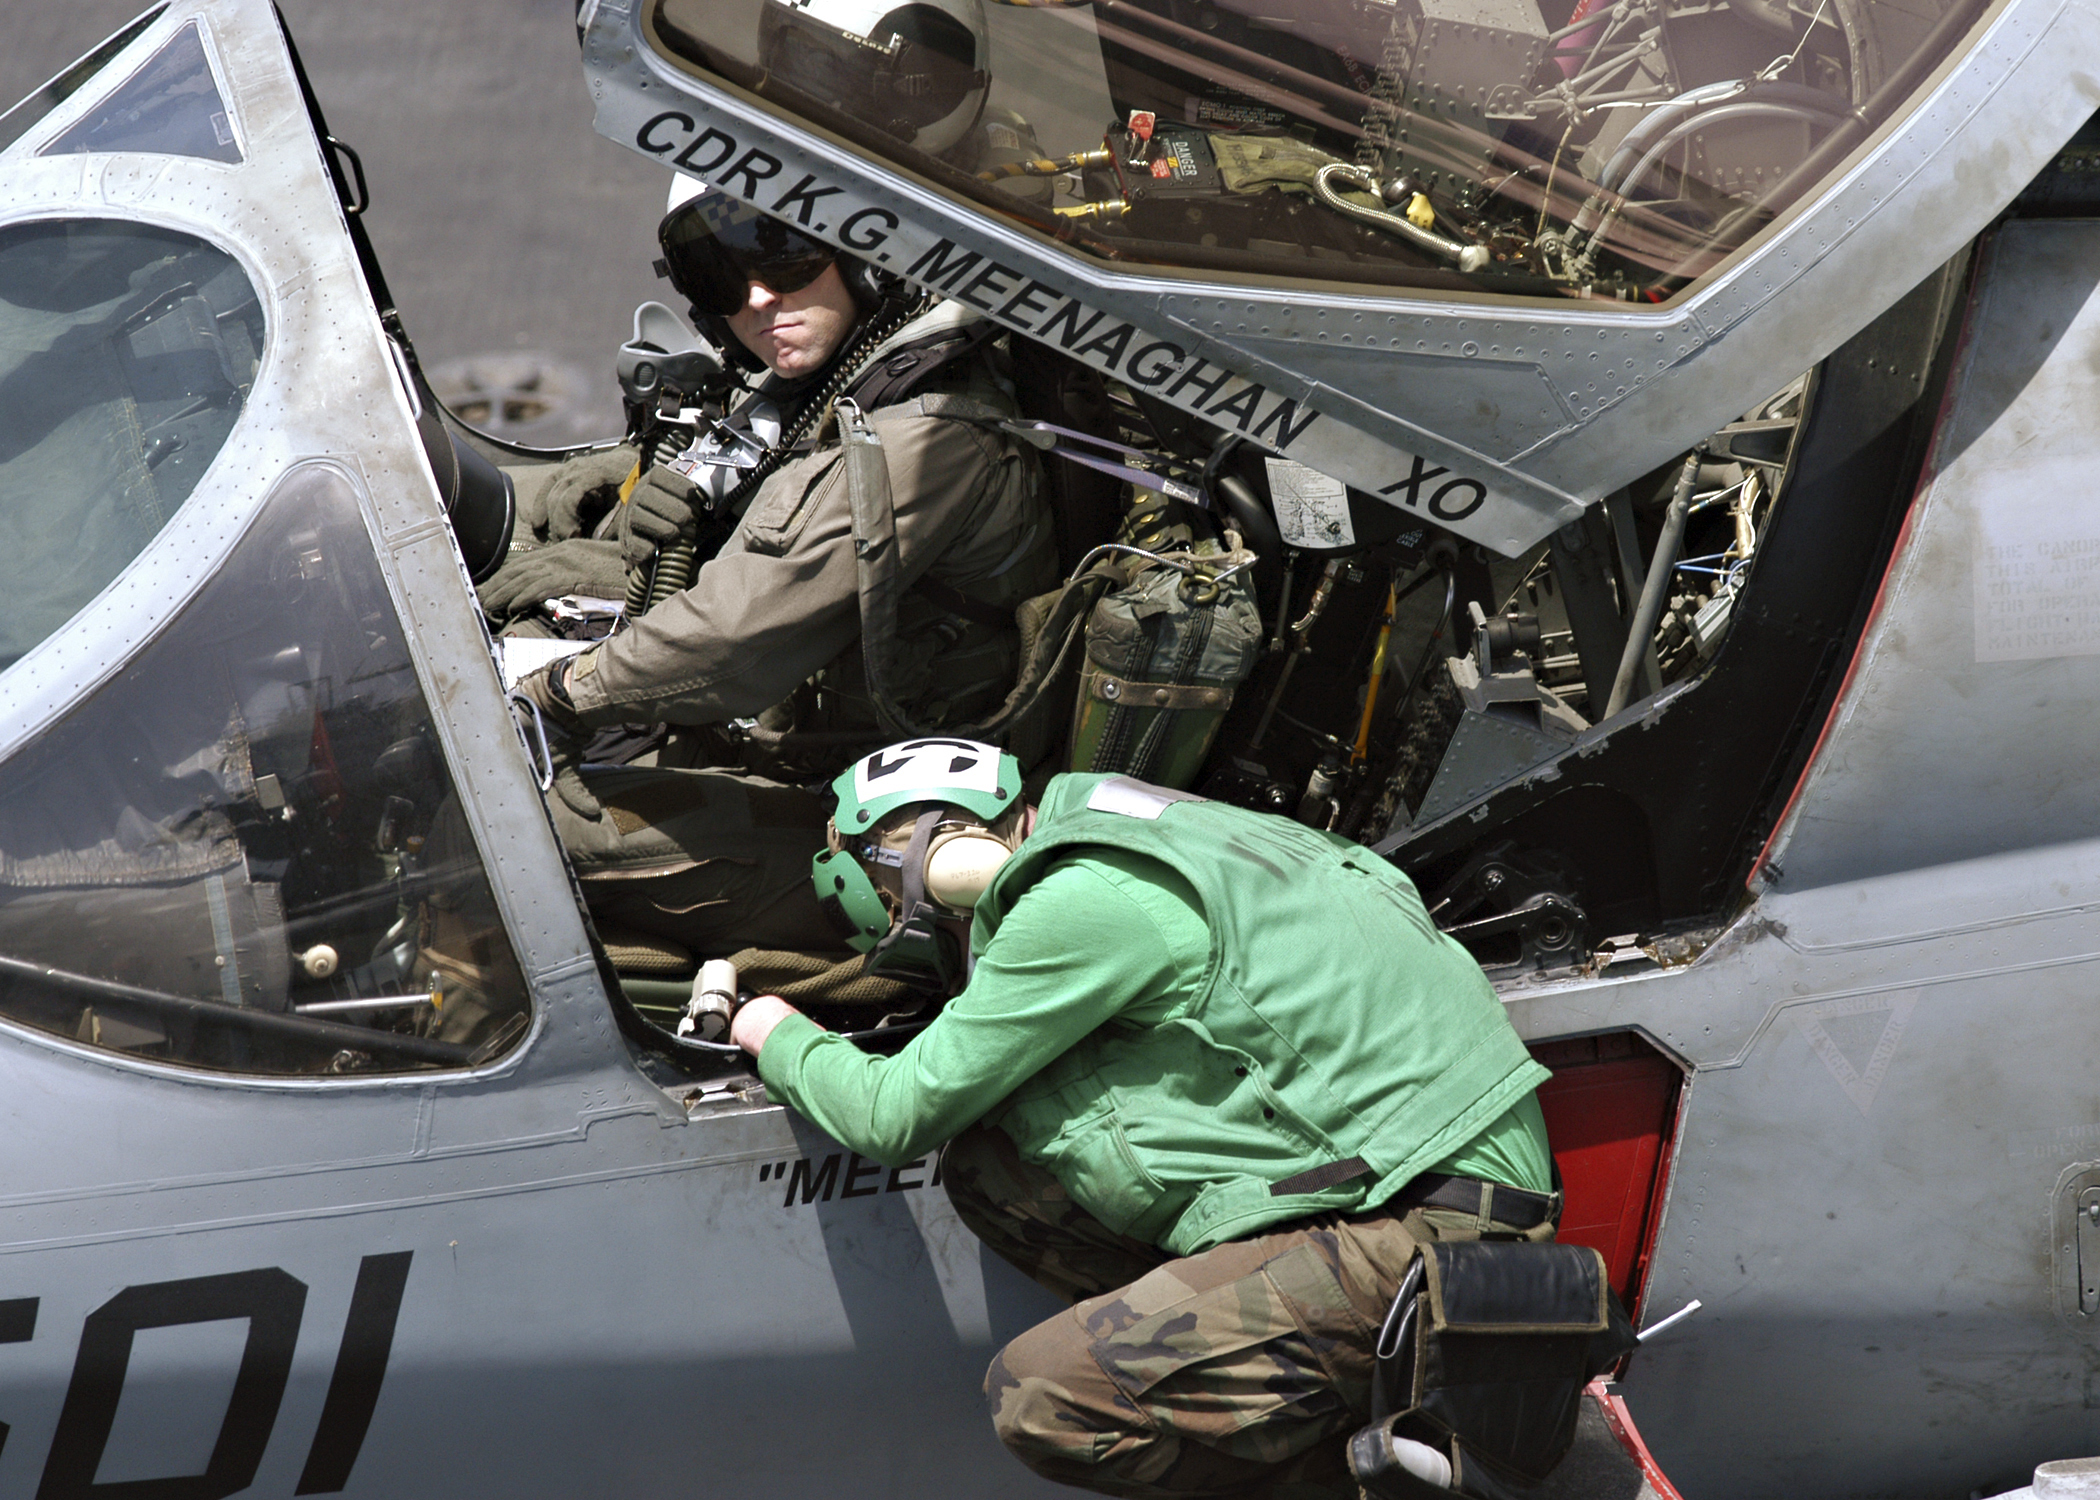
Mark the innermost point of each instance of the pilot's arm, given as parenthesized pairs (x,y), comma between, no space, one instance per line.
(781,600)
(1097,938)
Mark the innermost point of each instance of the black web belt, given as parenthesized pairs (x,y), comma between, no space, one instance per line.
(1509,1206)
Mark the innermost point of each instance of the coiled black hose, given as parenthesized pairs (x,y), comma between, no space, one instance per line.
(678,563)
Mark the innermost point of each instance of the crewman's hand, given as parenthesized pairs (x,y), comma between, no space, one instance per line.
(577,566)
(658,512)
(755,1020)
(584,488)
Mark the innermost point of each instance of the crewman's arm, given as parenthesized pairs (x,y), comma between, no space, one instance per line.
(1089,941)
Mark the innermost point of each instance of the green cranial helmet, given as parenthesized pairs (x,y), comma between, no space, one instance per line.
(913,840)
(977,778)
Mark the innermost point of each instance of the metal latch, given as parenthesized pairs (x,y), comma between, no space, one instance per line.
(2077,1247)
(2089,1251)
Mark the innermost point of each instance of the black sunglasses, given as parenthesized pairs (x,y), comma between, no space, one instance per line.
(714,249)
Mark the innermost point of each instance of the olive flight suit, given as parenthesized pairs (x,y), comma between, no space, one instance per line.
(709,846)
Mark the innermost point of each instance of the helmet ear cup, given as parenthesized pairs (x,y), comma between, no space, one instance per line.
(959,868)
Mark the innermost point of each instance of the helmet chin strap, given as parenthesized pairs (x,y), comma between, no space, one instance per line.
(915,947)
(914,871)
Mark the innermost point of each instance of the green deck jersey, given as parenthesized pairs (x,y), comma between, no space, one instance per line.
(1105,951)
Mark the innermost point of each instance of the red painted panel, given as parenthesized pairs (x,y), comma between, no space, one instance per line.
(1609,1108)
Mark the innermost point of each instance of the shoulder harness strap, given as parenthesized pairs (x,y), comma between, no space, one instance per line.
(875,558)
(900,373)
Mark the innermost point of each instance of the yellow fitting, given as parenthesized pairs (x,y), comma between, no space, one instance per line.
(1107,208)
(1100,156)
(633,477)
(1420,213)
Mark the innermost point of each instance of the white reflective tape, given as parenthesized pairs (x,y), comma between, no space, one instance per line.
(1135,799)
(928,765)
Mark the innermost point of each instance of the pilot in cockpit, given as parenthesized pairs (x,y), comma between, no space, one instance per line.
(759,670)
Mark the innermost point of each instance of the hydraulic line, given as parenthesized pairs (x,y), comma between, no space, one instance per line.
(1315,607)
(1377,673)
(1719,114)
(1833,148)
(1467,257)
(1665,128)
(1667,117)
(1661,570)
(1722,114)
(1414,683)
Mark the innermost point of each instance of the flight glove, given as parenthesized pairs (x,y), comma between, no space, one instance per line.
(552,727)
(583,489)
(576,566)
(658,512)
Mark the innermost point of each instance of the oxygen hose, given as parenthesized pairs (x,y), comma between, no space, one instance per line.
(678,563)
(1467,257)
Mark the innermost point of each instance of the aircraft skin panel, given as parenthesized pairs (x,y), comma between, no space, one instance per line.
(327,387)
(1983,666)
(1629,387)
(1883,1112)
(1870,1146)
(630,1319)
(1910,1102)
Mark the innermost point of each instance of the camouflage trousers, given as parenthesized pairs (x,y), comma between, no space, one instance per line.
(1239,1371)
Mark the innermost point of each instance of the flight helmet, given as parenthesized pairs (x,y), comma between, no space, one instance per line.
(921,829)
(917,72)
(715,246)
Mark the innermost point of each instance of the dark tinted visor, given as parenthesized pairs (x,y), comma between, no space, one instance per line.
(715,247)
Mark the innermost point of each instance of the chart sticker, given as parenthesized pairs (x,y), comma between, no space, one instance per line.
(1311,509)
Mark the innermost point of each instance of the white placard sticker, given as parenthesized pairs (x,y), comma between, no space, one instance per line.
(2036,574)
(937,765)
(1311,509)
(523,654)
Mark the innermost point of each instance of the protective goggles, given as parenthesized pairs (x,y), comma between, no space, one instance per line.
(714,249)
